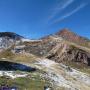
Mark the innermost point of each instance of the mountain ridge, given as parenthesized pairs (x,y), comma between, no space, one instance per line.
(51,47)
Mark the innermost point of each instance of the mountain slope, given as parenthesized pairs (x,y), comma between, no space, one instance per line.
(63,76)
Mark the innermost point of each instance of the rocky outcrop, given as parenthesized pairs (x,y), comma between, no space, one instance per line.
(64,52)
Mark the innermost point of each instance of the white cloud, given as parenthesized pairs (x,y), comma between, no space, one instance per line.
(60,6)
(71,13)
(66,4)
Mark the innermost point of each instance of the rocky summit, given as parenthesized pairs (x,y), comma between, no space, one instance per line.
(73,37)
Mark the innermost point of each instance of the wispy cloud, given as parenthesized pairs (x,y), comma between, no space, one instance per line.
(61,6)
(65,4)
(71,13)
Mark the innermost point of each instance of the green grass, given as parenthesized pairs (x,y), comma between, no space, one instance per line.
(24,83)
(32,82)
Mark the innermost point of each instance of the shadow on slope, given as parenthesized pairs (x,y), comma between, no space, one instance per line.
(11,66)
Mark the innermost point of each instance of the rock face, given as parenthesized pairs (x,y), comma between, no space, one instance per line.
(64,52)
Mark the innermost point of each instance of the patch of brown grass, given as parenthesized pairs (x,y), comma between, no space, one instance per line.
(24,58)
(8,55)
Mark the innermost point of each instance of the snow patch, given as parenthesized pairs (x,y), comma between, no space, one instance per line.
(46,62)
(23,39)
(12,74)
(29,40)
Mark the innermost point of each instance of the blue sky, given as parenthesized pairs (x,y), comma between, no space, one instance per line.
(37,18)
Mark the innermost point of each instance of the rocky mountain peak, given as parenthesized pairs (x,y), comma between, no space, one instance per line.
(64,30)
(73,37)
(66,33)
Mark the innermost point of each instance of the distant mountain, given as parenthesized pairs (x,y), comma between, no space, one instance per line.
(11,35)
(7,39)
